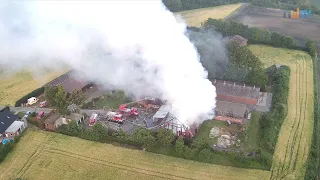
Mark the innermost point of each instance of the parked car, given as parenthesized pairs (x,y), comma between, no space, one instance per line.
(43,104)
(28,113)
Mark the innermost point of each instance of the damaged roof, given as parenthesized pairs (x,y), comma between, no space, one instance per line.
(229,109)
(162,111)
(229,88)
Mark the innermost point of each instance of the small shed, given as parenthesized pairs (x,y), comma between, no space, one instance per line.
(162,113)
(15,129)
(49,123)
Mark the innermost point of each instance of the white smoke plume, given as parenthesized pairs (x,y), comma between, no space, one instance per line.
(137,46)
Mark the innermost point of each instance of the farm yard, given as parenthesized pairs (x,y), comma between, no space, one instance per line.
(197,16)
(44,155)
(16,86)
(272,19)
(296,132)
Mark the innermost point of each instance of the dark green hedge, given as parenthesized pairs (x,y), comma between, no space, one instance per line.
(312,171)
(5,149)
(34,93)
(271,122)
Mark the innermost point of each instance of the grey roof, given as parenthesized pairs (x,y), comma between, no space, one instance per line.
(6,119)
(15,126)
(162,111)
(52,118)
(239,39)
(236,89)
(229,109)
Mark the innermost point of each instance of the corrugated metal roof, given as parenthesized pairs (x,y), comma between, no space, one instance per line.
(162,111)
(236,89)
(15,126)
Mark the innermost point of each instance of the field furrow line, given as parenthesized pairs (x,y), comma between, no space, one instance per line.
(116,165)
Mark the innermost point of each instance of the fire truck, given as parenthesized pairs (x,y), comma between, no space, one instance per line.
(93,119)
(132,111)
(115,117)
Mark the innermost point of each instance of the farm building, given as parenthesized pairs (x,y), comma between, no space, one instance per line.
(70,83)
(49,123)
(15,129)
(234,112)
(241,40)
(55,120)
(162,113)
(6,119)
(236,92)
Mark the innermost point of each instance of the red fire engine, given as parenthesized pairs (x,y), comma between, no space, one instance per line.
(132,111)
(93,119)
(115,117)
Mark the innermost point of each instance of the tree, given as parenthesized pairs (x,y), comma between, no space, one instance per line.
(144,137)
(173,5)
(165,137)
(50,94)
(76,97)
(179,146)
(99,132)
(205,155)
(311,48)
(61,101)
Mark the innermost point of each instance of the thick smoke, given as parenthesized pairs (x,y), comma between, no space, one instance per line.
(212,50)
(137,46)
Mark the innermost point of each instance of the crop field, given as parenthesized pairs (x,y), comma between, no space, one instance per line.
(16,86)
(44,155)
(301,29)
(296,132)
(197,16)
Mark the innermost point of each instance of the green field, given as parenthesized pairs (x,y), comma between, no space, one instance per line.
(196,16)
(296,132)
(13,87)
(44,155)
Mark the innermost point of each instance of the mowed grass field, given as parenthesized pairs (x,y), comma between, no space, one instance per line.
(44,155)
(197,16)
(296,132)
(18,85)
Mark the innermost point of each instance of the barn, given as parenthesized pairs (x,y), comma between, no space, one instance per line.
(236,92)
(241,40)
(70,82)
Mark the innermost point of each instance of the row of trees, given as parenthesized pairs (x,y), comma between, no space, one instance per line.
(57,96)
(165,142)
(244,66)
(181,5)
(312,164)
(5,149)
(270,123)
(254,34)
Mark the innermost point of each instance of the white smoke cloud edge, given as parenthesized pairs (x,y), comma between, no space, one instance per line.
(137,46)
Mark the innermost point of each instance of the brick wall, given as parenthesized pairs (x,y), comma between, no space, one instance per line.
(235,99)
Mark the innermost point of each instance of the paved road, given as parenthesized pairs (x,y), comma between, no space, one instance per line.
(47,110)
(25,109)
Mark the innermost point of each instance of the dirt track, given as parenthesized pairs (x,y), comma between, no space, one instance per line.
(272,19)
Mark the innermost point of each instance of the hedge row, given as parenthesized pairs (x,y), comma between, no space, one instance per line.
(312,171)
(34,93)
(271,122)
(5,149)
(197,150)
